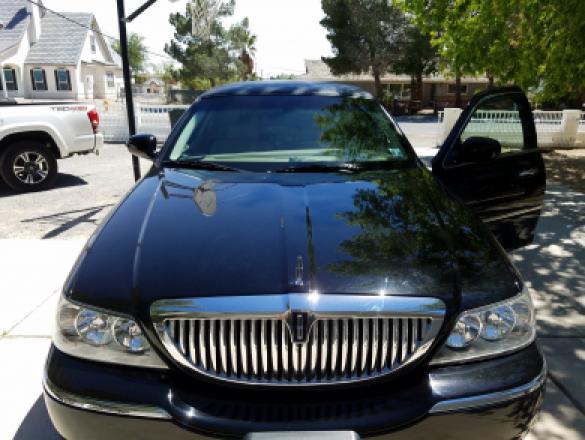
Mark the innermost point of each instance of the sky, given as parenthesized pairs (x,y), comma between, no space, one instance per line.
(288,31)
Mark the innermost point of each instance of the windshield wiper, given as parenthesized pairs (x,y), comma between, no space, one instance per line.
(317,168)
(198,165)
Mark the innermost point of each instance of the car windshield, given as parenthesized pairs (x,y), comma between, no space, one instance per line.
(295,131)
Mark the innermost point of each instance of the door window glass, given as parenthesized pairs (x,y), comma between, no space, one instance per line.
(499,119)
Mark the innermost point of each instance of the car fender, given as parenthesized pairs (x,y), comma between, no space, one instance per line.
(24,127)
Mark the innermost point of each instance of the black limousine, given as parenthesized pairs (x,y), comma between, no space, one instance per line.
(289,268)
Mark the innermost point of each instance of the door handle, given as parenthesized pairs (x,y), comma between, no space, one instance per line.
(528,173)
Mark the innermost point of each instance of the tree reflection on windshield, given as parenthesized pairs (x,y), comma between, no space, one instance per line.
(357,130)
(402,236)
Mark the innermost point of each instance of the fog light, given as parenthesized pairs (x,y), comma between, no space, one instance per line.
(93,327)
(498,323)
(129,335)
(465,332)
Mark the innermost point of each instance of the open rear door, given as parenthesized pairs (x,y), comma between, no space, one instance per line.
(490,161)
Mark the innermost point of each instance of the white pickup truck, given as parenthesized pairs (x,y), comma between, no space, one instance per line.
(34,135)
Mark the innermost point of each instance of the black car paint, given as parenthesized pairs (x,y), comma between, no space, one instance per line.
(396,231)
(402,232)
(506,191)
(395,405)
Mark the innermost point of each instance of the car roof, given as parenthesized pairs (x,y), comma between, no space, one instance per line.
(288,87)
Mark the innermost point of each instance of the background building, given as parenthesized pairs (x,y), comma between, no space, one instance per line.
(438,91)
(46,55)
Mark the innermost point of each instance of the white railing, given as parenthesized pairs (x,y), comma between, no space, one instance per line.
(150,118)
(555,129)
(155,119)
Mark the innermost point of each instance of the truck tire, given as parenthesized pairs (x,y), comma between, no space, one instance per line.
(28,166)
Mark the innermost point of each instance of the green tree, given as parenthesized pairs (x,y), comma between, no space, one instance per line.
(136,52)
(534,44)
(417,57)
(207,62)
(244,42)
(365,35)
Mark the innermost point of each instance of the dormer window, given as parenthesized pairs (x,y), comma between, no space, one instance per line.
(38,79)
(62,79)
(92,43)
(10,79)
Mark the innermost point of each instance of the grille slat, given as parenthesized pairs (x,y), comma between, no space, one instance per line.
(374,350)
(254,347)
(334,345)
(403,339)
(384,339)
(192,345)
(365,344)
(354,346)
(314,350)
(324,347)
(337,349)
(223,343)
(264,346)
(243,348)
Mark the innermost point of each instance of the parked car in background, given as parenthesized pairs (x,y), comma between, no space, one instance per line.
(34,135)
(289,264)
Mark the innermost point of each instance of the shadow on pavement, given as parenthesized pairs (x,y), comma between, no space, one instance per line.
(62,181)
(37,424)
(553,265)
(67,220)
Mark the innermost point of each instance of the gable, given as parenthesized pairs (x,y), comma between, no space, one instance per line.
(15,19)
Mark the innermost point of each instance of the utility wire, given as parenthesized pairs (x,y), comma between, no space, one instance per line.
(58,14)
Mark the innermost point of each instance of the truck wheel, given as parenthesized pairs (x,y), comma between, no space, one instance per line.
(28,166)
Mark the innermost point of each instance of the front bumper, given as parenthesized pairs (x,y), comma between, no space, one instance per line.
(500,397)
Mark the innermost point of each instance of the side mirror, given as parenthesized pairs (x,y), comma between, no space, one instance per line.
(142,145)
(480,149)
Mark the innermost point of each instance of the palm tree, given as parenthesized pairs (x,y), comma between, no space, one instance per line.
(244,41)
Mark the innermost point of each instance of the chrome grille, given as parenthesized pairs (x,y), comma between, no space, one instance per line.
(240,346)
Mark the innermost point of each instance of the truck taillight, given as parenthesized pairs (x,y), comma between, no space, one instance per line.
(94,119)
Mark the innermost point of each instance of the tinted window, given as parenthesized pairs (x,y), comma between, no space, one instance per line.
(289,129)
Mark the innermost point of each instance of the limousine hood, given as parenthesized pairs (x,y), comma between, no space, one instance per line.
(189,233)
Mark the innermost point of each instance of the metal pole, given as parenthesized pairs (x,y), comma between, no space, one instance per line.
(127,81)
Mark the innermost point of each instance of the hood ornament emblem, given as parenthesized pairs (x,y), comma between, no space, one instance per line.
(299,272)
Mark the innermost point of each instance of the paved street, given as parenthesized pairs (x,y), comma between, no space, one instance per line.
(42,233)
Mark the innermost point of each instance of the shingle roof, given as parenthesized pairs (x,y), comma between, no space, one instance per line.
(61,40)
(14,18)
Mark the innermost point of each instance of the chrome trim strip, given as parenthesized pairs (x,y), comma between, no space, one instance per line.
(489,399)
(277,306)
(512,214)
(103,406)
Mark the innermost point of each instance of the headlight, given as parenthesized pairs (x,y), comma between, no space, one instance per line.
(490,331)
(99,336)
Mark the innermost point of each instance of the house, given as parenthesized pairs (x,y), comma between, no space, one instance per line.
(152,86)
(438,91)
(46,55)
